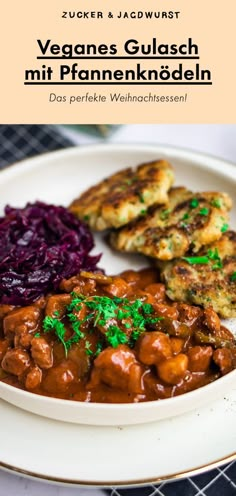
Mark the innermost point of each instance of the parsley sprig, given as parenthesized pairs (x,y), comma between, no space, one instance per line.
(116,336)
(194,203)
(51,324)
(212,255)
(105,312)
(216,202)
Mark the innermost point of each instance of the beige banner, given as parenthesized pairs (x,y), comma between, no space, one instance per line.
(32,89)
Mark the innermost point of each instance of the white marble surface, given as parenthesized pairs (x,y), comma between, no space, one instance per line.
(219,140)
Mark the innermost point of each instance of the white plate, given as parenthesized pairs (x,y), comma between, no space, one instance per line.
(88,455)
(111,455)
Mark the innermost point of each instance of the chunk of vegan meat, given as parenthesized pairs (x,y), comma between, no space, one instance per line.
(56,305)
(211,320)
(118,287)
(157,290)
(23,340)
(16,361)
(33,378)
(173,370)
(5,309)
(166,311)
(41,352)
(199,358)
(177,345)
(188,314)
(4,345)
(173,327)
(118,368)
(223,358)
(153,347)
(79,285)
(21,321)
(78,355)
(59,378)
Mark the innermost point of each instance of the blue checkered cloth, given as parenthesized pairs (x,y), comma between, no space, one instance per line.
(19,142)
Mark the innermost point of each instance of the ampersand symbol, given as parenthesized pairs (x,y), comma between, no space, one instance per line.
(110,15)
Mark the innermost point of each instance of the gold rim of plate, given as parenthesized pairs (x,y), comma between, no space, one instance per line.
(178,475)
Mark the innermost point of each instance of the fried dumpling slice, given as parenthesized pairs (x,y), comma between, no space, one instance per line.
(124,196)
(189,221)
(208,279)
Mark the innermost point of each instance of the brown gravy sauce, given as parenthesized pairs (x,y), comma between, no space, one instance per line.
(183,349)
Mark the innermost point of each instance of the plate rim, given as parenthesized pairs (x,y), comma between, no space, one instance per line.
(188,152)
(127,483)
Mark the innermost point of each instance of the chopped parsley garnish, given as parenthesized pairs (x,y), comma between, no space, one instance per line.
(101,322)
(73,340)
(164,214)
(185,216)
(113,314)
(37,335)
(98,348)
(194,203)
(196,260)
(86,218)
(141,197)
(75,303)
(233,276)
(153,320)
(88,351)
(216,202)
(50,324)
(127,325)
(225,227)
(116,336)
(118,300)
(134,337)
(75,324)
(147,308)
(212,255)
(144,211)
(204,211)
(130,181)
(217,265)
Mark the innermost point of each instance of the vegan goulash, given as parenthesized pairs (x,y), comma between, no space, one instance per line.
(68,330)
(113,339)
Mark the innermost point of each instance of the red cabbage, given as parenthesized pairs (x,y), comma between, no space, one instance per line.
(40,245)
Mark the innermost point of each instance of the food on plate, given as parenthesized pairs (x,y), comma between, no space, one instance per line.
(125,195)
(40,245)
(208,279)
(112,339)
(189,221)
(68,330)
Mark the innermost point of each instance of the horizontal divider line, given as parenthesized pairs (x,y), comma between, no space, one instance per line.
(130,57)
(111,83)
